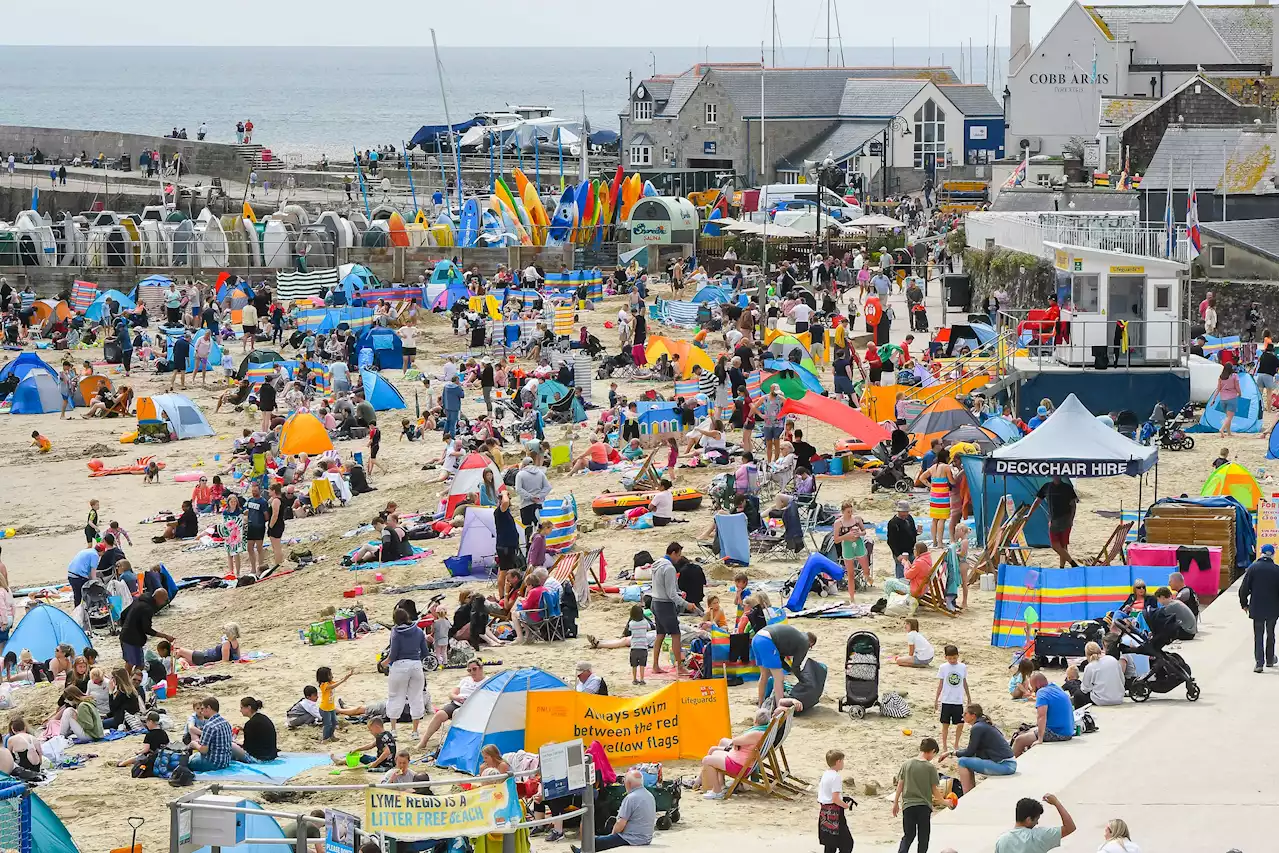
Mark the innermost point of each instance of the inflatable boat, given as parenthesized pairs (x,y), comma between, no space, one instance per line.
(614,503)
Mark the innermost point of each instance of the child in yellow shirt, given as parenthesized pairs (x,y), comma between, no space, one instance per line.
(328,701)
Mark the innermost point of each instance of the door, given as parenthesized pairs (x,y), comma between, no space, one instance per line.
(1126,300)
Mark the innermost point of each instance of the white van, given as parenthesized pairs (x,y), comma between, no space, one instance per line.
(832,204)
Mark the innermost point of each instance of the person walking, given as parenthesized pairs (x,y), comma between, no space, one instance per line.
(1228,392)
(1260,598)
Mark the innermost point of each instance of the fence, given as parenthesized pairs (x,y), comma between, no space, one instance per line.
(1099,344)
(1028,232)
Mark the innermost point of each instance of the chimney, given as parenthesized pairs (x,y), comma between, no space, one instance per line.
(1019,34)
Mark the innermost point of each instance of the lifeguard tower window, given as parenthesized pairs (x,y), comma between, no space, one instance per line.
(1084,293)
(1164,297)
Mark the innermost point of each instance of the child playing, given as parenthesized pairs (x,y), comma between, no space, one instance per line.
(98,692)
(152,475)
(952,694)
(1224,456)
(91,533)
(159,664)
(38,440)
(714,617)
(440,635)
(833,829)
(740,591)
(152,742)
(228,366)
(120,533)
(1019,684)
(383,748)
(328,702)
(409,430)
(638,631)
(919,650)
(306,711)
(916,793)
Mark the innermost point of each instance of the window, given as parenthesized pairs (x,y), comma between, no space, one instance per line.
(931,134)
(642,111)
(1164,297)
(641,155)
(1043,180)
(788,176)
(710,113)
(1084,293)
(1217,256)
(666,155)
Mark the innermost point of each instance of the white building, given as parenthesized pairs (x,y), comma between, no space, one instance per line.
(1055,86)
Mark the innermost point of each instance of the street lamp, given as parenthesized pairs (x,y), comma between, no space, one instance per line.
(902,126)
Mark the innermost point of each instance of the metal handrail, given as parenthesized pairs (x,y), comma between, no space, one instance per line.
(989,353)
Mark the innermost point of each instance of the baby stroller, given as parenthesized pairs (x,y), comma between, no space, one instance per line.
(892,477)
(593,347)
(919,318)
(1168,669)
(861,674)
(97,607)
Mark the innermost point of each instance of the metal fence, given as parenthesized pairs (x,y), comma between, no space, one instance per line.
(1028,232)
(1098,344)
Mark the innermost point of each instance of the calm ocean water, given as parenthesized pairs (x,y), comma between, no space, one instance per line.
(307,100)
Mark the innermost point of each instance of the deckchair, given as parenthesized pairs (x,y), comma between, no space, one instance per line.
(1113,547)
(934,595)
(577,570)
(1013,543)
(774,764)
(731,531)
(647,478)
(1001,538)
(751,774)
(120,408)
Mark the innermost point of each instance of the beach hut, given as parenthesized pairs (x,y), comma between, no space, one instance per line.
(495,714)
(385,344)
(37,394)
(1248,409)
(936,420)
(303,433)
(43,629)
(97,309)
(380,393)
(1233,480)
(184,417)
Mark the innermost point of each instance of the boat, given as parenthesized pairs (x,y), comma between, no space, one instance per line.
(615,503)
(213,242)
(276,244)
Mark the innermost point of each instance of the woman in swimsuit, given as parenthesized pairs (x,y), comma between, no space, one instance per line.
(848,533)
(227,650)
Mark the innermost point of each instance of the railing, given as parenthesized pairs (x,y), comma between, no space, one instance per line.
(1110,232)
(1097,343)
(993,360)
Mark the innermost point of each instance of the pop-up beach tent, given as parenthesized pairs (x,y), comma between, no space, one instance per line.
(1248,409)
(36,394)
(40,826)
(385,344)
(837,414)
(24,364)
(380,393)
(1233,480)
(184,417)
(98,308)
(494,714)
(1273,443)
(43,629)
(467,479)
(303,433)
(479,537)
(215,350)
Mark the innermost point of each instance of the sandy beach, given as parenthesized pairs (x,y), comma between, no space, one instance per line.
(46,499)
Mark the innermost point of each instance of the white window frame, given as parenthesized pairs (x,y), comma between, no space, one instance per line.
(1164,297)
(924,150)
(667,154)
(788,176)
(641,155)
(711,113)
(1220,252)
(642,110)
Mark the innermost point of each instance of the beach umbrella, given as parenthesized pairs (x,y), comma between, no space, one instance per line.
(1233,480)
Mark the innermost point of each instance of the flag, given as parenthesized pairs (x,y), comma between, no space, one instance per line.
(1193,223)
(1019,174)
(1170,230)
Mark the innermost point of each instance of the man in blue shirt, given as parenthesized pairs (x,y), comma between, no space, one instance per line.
(213,741)
(1055,717)
(451,400)
(83,566)
(1042,414)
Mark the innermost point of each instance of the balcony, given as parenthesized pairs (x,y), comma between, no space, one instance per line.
(1116,232)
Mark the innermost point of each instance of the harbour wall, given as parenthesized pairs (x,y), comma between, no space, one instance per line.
(60,143)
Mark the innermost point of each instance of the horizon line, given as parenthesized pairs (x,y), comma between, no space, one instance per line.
(940,48)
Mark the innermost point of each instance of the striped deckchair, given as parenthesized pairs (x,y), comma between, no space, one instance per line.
(564,321)
(580,570)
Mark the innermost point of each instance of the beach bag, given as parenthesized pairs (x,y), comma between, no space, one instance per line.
(900,605)
(893,705)
(322,633)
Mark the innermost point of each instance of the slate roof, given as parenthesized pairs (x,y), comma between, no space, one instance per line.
(877,97)
(659,88)
(972,99)
(1116,111)
(800,92)
(846,138)
(1260,236)
(1246,29)
(1225,159)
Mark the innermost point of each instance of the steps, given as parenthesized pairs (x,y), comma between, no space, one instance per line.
(251,154)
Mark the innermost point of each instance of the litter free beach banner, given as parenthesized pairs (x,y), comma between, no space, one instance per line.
(682,720)
(403,814)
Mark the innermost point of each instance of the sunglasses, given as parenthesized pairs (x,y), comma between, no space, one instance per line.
(1139,587)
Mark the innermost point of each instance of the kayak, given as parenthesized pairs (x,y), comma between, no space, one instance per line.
(614,503)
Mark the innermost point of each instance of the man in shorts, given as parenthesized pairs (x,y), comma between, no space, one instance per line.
(457,697)
(135,627)
(255,529)
(1055,717)
(811,679)
(249,325)
(768,411)
(772,646)
(1062,499)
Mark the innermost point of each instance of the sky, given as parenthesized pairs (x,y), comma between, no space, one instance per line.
(542,23)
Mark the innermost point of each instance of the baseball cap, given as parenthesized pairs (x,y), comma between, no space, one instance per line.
(1269,550)
(582,666)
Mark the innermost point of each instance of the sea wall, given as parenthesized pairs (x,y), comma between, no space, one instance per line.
(57,143)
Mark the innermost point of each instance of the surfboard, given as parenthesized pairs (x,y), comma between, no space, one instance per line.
(615,194)
(649,190)
(395,225)
(469,225)
(564,219)
(538,220)
(710,228)
(417,234)
(630,192)
(506,209)
(601,214)
(421,219)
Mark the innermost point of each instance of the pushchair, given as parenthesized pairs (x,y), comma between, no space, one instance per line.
(861,674)
(919,318)
(892,476)
(593,347)
(1168,669)
(96,602)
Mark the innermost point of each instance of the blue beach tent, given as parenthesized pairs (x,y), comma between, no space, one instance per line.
(98,308)
(386,346)
(987,490)
(1273,444)
(43,629)
(1006,429)
(24,364)
(1248,409)
(494,714)
(215,350)
(380,393)
(37,394)
(47,832)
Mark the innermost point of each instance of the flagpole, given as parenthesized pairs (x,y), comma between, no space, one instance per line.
(763,288)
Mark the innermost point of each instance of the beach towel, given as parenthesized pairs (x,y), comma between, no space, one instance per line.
(280,770)
(418,554)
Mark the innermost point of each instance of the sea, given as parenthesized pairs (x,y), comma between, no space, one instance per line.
(305,101)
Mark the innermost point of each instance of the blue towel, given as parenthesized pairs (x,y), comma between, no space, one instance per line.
(734,542)
(114,734)
(282,769)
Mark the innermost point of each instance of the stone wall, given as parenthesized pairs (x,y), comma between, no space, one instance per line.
(1232,299)
(56,143)
(1207,108)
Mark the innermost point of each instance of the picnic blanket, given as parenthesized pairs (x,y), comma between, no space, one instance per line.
(418,554)
(114,734)
(282,769)
(837,610)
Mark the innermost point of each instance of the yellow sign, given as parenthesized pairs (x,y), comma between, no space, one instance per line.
(1129,270)
(803,179)
(682,720)
(1061,260)
(404,814)
(1268,530)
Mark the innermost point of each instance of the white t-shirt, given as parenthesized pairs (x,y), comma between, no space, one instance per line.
(952,676)
(924,649)
(828,786)
(249,315)
(733,336)
(801,312)
(466,687)
(407,336)
(662,504)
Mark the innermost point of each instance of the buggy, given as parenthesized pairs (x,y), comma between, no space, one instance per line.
(861,674)
(97,607)
(1168,669)
(892,476)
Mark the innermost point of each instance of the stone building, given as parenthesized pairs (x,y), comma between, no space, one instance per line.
(1233,170)
(697,129)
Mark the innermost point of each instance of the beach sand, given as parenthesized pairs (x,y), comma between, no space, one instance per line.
(46,500)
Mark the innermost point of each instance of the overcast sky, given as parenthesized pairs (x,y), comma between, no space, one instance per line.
(656,23)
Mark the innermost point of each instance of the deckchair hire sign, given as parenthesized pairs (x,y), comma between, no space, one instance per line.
(1077,468)
(404,814)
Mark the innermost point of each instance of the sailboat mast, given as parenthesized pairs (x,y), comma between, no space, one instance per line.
(457,155)
(762,289)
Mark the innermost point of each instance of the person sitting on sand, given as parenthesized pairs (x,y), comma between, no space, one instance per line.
(22,746)
(39,441)
(79,717)
(919,650)
(259,734)
(155,739)
(1019,686)
(731,756)
(227,650)
(185,526)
